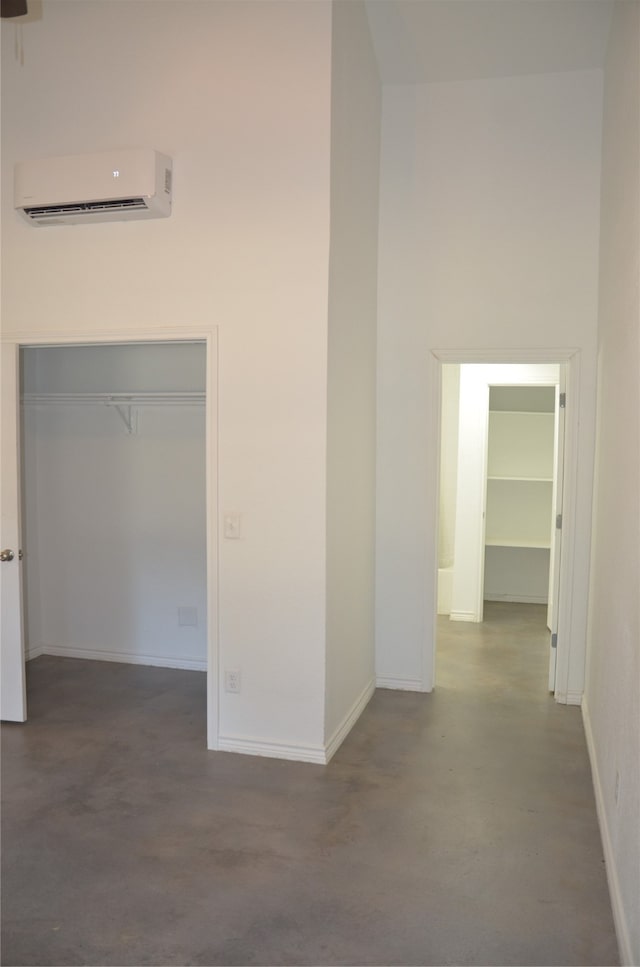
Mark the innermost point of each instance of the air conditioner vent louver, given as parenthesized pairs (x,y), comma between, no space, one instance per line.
(53,211)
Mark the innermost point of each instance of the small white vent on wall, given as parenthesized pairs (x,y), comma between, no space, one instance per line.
(105,187)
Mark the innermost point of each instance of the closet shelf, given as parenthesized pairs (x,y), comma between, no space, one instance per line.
(123,403)
(520,479)
(178,398)
(497,542)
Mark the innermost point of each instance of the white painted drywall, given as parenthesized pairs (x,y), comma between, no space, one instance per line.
(612,696)
(238,94)
(520,574)
(489,238)
(114,523)
(351,427)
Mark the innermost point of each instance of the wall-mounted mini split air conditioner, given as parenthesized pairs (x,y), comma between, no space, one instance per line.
(106,187)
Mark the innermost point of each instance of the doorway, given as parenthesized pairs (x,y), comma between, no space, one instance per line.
(143,397)
(568,659)
(501,424)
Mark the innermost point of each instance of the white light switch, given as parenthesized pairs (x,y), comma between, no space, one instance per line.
(232,527)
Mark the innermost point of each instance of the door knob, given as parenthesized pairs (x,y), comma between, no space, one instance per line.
(6,555)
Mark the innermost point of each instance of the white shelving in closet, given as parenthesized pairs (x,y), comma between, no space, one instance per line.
(519,504)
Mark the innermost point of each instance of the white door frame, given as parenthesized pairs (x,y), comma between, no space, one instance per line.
(567,651)
(208,336)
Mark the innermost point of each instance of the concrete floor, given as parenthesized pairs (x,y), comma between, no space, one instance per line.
(454,828)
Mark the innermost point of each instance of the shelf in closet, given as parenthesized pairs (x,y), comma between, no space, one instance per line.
(535,545)
(177,398)
(519,482)
(125,404)
(521,479)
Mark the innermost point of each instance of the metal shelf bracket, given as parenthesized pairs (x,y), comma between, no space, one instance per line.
(128,415)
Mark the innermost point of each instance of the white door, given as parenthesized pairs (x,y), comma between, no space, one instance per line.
(13,698)
(556,532)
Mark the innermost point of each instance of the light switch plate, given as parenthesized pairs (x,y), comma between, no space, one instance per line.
(232,527)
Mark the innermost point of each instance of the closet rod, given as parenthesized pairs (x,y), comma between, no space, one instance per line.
(194,398)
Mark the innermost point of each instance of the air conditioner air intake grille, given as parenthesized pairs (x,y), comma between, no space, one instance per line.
(41,212)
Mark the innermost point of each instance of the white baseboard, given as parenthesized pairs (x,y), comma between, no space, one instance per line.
(349,720)
(61,651)
(463,616)
(33,651)
(445,586)
(272,750)
(402,684)
(569,698)
(299,753)
(619,918)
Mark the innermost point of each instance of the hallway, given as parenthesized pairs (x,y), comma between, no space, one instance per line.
(452,828)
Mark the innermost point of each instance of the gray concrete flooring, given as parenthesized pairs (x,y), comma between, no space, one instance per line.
(451,828)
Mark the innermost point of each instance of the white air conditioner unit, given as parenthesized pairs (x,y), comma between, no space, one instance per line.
(106,187)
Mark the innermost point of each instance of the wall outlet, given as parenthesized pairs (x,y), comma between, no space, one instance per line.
(232,680)
(187,617)
(616,791)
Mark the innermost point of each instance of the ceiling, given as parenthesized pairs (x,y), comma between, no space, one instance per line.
(424,41)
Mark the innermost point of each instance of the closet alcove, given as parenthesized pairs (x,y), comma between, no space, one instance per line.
(113,502)
(519,502)
(499,478)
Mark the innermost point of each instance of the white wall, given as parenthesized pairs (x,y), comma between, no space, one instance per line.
(612,704)
(520,575)
(489,238)
(238,94)
(114,524)
(351,429)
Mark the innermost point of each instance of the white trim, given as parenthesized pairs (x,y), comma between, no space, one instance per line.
(433,444)
(124,658)
(34,652)
(617,906)
(566,657)
(465,616)
(133,336)
(272,750)
(349,720)
(569,698)
(401,684)
(514,356)
(212,510)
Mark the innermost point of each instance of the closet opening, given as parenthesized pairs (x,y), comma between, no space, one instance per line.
(116,488)
(501,462)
